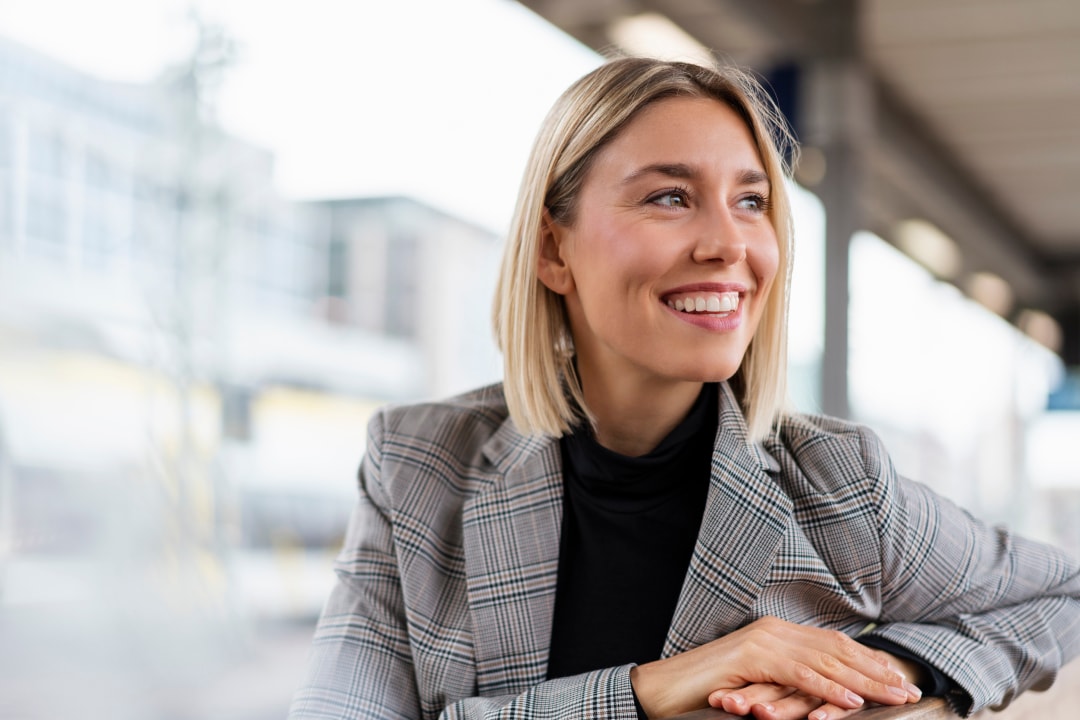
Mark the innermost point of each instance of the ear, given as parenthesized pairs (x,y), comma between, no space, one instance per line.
(551,266)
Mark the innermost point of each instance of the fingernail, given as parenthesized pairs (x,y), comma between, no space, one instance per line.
(768,708)
(818,715)
(913,690)
(854,699)
(737,699)
(898,692)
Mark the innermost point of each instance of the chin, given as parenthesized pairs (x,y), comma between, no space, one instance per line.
(716,373)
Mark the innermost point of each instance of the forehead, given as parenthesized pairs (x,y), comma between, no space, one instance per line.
(684,129)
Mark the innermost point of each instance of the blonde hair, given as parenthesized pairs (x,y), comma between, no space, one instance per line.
(543,392)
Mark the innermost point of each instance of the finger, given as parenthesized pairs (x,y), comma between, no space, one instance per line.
(805,678)
(912,672)
(894,690)
(740,702)
(792,707)
(829,712)
(829,652)
(856,667)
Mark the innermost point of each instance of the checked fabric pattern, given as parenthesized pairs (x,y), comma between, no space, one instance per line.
(446,582)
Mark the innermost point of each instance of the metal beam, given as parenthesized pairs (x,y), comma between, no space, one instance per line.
(806,31)
(894,166)
(931,181)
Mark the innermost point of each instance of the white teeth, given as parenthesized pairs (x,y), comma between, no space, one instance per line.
(712,303)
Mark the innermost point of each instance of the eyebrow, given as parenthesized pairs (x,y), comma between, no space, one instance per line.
(754,177)
(675,170)
(687,172)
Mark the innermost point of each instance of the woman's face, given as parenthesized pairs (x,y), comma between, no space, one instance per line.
(667,265)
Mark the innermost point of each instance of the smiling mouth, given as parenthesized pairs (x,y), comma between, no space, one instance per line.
(723,303)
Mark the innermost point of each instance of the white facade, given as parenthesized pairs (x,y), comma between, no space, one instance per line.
(175,334)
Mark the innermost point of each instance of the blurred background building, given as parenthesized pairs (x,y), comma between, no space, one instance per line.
(188,364)
(189,353)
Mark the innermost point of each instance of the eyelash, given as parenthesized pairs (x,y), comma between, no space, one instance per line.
(655,198)
(762,201)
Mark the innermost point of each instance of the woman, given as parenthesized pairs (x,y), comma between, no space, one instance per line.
(630,525)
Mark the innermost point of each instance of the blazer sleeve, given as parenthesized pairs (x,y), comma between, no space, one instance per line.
(361,663)
(995,612)
(599,694)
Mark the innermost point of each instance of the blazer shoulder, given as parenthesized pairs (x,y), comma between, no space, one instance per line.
(482,411)
(436,441)
(828,455)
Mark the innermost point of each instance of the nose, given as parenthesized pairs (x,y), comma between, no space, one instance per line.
(719,239)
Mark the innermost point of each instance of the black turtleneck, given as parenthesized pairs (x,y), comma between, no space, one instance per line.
(629,527)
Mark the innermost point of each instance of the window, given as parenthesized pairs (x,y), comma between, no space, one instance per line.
(7,142)
(45,223)
(47,153)
(337,270)
(7,212)
(236,413)
(402,284)
(98,172)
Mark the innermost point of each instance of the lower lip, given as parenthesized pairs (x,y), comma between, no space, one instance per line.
(708,321)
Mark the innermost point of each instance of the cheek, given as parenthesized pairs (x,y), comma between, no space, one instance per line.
(612,255)
(604,237)
(764,258)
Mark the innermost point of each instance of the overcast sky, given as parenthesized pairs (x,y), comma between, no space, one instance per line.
(439,100)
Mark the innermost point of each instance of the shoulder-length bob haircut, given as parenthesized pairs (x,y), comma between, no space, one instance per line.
(543,391)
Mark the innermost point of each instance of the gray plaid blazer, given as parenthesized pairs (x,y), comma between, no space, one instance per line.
(446,582)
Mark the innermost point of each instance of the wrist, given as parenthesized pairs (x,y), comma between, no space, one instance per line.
(644,685)
(910,669)
(639,686)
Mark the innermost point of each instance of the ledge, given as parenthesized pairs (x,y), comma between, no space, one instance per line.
(931,708)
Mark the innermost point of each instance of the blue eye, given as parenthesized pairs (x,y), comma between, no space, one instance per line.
(670,198)
(755,202)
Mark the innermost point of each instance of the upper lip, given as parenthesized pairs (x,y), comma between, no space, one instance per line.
(707,287)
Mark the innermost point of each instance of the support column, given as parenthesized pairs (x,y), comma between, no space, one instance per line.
(837,102)
(837,192)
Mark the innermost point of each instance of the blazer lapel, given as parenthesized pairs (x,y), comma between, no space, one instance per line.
(744,521)
(511,540)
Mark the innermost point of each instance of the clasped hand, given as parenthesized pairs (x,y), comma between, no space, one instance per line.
(776,670)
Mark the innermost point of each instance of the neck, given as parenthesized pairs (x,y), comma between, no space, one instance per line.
(632,418)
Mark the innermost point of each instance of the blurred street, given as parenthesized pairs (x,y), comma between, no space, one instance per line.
(249,678)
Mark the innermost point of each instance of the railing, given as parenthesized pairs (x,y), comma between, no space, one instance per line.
(1061,702)
(931,708)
